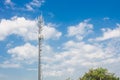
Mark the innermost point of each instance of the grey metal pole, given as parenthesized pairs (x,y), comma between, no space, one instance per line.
(40,25)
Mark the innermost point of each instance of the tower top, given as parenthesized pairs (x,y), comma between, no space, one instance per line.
(40,21)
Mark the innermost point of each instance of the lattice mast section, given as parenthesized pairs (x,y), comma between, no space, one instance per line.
(40,37)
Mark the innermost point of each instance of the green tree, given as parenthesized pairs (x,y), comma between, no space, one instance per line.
(99,74)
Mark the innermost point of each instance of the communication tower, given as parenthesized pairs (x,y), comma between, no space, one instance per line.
(40,37)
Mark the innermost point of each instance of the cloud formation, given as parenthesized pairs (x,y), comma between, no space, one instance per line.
(109,33)
(9,2)
(8,64)
(81,30)
(29,6)
(26,28)
(26,53)
(50,32)
(34,3)
(75,56)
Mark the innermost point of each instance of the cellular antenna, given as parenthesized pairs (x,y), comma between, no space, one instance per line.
(40,37)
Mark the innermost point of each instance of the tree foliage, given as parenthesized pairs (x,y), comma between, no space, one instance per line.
(99,74)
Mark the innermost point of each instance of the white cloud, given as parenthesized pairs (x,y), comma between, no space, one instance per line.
(52,73)
(29,7)
(7,64)
(26,28)
(19,26)
(109,34)
(50,32)
(112,60)
(77,55)
(26,53)
(32,69)
(106,18)
(8,2)
(35,3)
(84,50)
(81,30)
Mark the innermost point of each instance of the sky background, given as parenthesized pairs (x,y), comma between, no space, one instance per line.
(78,35)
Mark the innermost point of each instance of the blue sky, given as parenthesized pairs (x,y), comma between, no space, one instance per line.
(78,35)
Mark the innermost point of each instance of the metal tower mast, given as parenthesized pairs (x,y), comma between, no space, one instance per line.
(40,37)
